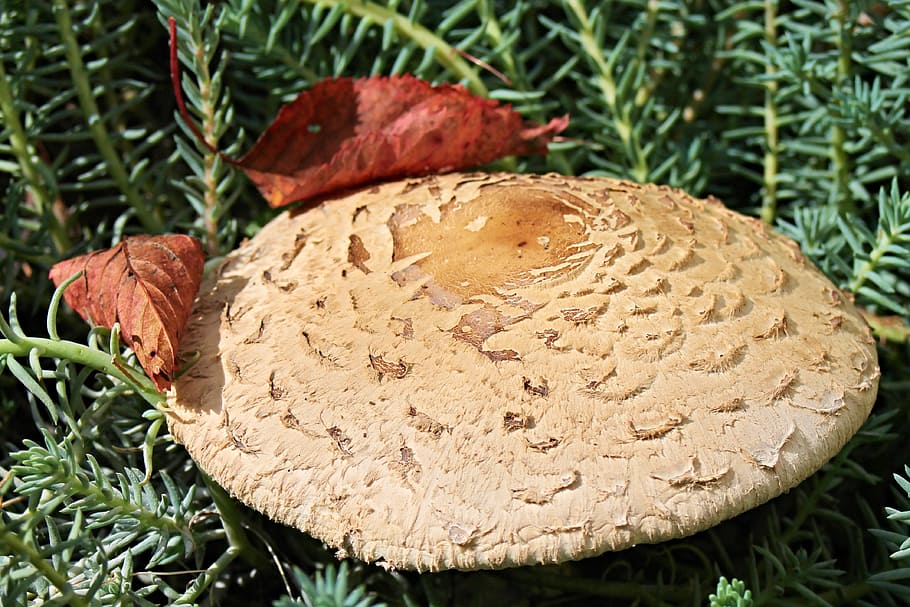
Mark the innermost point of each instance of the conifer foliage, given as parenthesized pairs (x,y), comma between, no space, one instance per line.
(792,111)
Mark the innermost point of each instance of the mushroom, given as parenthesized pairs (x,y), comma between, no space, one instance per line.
(490,370)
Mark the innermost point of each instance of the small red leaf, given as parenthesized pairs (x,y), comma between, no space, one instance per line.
(345,132)
(147,284)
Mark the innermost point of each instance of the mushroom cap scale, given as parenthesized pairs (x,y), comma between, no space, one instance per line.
(490,370)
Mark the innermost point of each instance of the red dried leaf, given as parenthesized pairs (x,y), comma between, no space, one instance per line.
(147,284)
(345,132)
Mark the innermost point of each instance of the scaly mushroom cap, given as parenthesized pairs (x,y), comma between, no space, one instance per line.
(488,370)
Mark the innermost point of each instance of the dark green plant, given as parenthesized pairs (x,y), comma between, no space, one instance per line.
(794,111)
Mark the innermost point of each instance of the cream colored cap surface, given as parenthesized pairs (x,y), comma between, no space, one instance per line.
(489,370)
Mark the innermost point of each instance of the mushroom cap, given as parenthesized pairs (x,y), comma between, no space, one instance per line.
(489,370)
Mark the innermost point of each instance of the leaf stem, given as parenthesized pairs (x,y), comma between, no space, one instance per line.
(442,51)
(238,544)
(208,109)
(178,91)
(650,84)
(95,121)
(207,578)
(55,305)
(210,179)
(841,196)
(86,356)
(487,14)
(26,159)
(884,242)
(622,121)
(231,521)
(15,545)
(81,485)
(769,191)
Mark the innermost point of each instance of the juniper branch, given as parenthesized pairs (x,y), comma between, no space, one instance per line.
(208,108)
(622,121)
(769,191)
(842,197)
(26,158)
(15,545)
(426,39)
(95,122)
(82,355)
(207,577)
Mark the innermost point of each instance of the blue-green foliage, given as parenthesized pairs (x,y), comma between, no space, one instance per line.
(796,112)
(869,261)
(213,184)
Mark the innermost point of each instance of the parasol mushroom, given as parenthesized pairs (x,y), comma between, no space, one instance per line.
(490,370)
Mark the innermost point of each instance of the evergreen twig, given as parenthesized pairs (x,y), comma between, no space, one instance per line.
(769,189)
(14,544)
(26,159)
(622,120)
(93,119)
(424,37)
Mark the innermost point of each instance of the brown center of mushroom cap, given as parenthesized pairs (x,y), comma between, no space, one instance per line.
(505,237)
